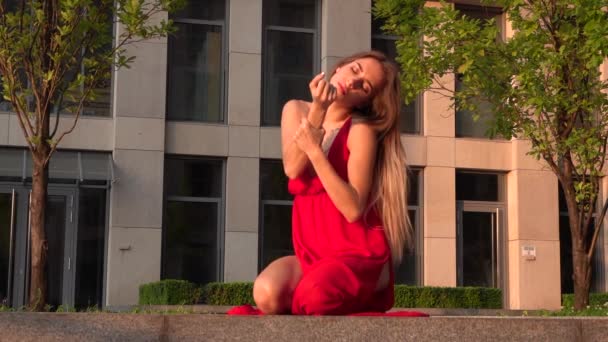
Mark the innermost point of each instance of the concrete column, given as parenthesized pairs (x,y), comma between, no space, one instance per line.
(134,242)
(242,201)
(533,222)
(345,30)
(439,226)
(243,163)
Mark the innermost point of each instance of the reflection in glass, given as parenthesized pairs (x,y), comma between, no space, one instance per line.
(193,177)
(477,187)
(292,13)
(195,73)
(55,234)
(191,242)
(289,68)
(478,249)
(5,225)
(277,233)
(203,9)
(406,272)
(90,248)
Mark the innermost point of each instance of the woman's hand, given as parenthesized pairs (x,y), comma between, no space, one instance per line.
(323,93)
(307,138)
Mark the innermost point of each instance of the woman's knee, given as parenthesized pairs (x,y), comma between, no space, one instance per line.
(269,297)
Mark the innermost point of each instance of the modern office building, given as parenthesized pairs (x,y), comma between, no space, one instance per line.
(176,173)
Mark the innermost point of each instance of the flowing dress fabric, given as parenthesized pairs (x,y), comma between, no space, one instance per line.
(341,261)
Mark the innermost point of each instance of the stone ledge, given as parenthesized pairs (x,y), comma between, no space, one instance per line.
(220,309)
(18,326)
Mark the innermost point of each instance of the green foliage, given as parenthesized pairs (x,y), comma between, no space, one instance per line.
(240,293)
(169,292)
(595,299)
(228,293)
(55,56)
(592,310)
(447,297)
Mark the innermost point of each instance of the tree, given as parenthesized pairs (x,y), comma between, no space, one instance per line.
(51,50)
(542,84)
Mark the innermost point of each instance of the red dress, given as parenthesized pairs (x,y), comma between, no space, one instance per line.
(341,261)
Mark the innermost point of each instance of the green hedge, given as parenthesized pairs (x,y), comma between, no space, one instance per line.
(228,294)
(405,296)
(447,297)
(169,292)
(595,299)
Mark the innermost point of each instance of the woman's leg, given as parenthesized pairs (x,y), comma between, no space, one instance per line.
(273,289)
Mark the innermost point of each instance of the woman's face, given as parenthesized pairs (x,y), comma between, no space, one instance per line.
(358,81)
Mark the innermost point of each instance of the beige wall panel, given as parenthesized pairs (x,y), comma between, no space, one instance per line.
(141,90)
(244,89)
(5,128)
(538,286)
(245,26)
(483,154)
(439,203)
(439,262)
(140,133)
(89,134)
(196,139)
(134,257)
(415,149)
(242,194)
(521,161)
(270,142)
(438,117)
(533,205)
(513,274)
(241,257)
(137,194)
(328,63)
(15,133)
(243,141)
(440,151)
(346,27)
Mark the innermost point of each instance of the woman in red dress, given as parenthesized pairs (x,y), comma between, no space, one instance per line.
(346,166)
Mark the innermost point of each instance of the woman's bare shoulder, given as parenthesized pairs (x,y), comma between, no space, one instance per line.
(298,107)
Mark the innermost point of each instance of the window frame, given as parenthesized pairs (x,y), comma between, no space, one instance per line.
(224,25)
(221,209)
(262,205)
(316,55)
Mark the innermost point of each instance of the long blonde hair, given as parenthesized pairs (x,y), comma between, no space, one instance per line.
(389,190)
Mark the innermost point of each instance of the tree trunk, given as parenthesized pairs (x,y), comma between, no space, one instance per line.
(582,273)
(38,242)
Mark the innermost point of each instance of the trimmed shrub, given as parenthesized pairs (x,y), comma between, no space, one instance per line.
(176,292)
(228,293)
(447,297)
(169,292)
(595,299)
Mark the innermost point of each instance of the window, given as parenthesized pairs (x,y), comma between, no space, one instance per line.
(410,113)
(90,247)
(480,229)
(565,251)
(410,269)
(290,53)
(465,125)
(275,213)
(192,229)
(196,63)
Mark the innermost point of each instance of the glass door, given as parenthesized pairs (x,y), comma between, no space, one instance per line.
(480,240)
(7,248)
